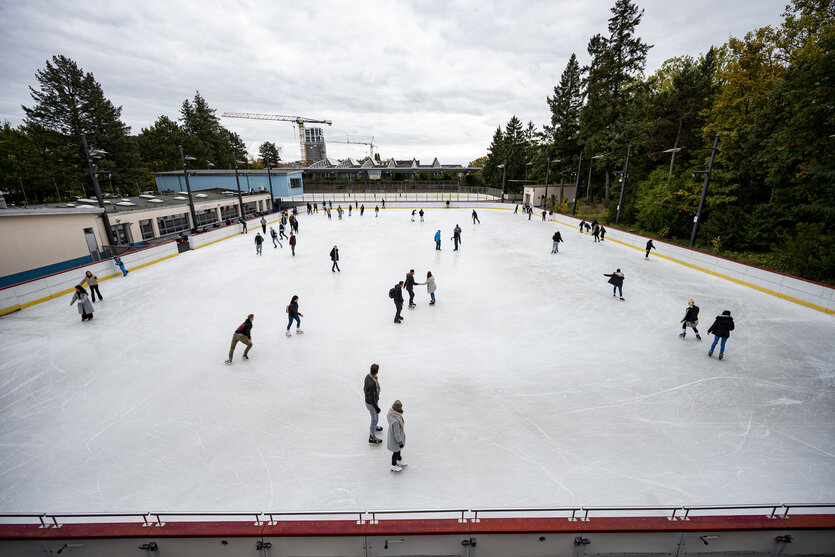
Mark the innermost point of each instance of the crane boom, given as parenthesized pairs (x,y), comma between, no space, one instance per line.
(299,121)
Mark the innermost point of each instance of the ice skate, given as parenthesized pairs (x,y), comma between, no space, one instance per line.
(721,356)
(709,353)
(395,468)
(288,333)
(374,440)
(622,299)
(299,331)
(379,428)
(681,336)
(401,464)
(228,362)
(698,337)
(245,357)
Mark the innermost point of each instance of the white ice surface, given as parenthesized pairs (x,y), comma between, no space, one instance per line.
(527,384)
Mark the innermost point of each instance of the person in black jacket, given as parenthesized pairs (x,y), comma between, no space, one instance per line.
(556,239)
(691,319)
(616,280)
(259,241)
(410,288)
(398,301)
(721,328)
(335,259)
(242,334)
(293,314)
(372,400)
(650,246)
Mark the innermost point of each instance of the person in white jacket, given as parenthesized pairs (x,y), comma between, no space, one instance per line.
(430,287)
(85,307)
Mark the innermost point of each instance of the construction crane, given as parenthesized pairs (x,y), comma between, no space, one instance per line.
(367,140)
(299,121)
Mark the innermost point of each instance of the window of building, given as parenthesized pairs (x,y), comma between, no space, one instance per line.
(295,182)
(250,208)
(172,223)
(147,228)
(229,212)
(121,233)
(206,217)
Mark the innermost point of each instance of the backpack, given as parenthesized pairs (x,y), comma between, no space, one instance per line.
(287,309)
(391,293)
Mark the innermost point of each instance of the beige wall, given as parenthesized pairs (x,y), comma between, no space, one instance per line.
(29,241)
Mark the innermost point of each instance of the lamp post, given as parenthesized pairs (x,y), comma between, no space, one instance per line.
(503,166)
(93,175)
(270,180)
(704,189)
(588,187)
(547,176)
(238,182)
(577,185)
(623,182)
(188,188)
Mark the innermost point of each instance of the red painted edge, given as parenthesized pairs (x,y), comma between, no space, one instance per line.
(309,528)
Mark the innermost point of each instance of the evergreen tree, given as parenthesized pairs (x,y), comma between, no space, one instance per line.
(269,153)
(214,142)
(562,134)
(495,156)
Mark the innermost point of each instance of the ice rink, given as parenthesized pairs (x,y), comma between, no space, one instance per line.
(527,384)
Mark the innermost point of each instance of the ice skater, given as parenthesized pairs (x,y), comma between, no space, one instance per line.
(118,262)
(259,241)
(339,211)
(691,319)
(582,226)
(242,334)
(596,233)
(530,212)
(475,217)
(421,215)
(362,209)
(384,203)
(721,329)
(371,388)
(335,259)
(396,294)
(349,209)
(376,211)
(264,225)
(616,280)
(274,236)
(243,225)
(92,281)
(438,240)
(556,239)
(543,216)
(430,287)
(650,246)
(396,439)
(410,288)
(292,242)
(85,307)
(281,234)
(293,315)
(516,210)
(413,214)
(602,232)
(456,236)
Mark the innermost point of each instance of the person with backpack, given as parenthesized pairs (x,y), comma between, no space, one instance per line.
(396,294)
(259,241)
(556,239)
(293,315)
(691,319)
(242,334)
(371,388)
(396,439)
(721,329)
(430,287)
(335,259)
(616,280)
(92,281)
(292,243)
(85,308)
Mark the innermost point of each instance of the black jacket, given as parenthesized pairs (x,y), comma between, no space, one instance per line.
(722,327)
(259,239)
(293,309)
(245,329)
(692,314)
(398,295)
(615,278)
(372,397)
(557,237)
(334,254)
(410,282)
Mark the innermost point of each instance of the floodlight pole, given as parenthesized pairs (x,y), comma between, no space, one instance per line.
(623,182)
(188,189)
(704,191)
(577,184)
(110,239)
(270,180)
(547,176)
(504,174)
(238,181)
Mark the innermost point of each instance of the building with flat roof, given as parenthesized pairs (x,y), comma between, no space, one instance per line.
(286,182)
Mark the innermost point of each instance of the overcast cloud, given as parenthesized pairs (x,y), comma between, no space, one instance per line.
(425,79)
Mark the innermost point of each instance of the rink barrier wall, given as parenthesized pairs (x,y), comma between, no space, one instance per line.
(26,294)
(203,239)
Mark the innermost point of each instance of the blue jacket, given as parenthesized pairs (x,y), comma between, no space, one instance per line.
(437,236)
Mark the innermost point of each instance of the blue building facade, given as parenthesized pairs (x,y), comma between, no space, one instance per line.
(285,183)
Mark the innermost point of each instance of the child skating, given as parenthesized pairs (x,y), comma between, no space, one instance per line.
(85,307)
(118,262)
(690,319)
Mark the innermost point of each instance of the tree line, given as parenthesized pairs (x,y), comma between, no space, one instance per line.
(770,98)
(42,160)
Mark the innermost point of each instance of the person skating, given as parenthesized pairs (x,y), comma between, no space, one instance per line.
(596,233)
(691,319)
(349,209)
(396,294)
(410,287)
(384,203)
(602,232)
(588,227)
(650,246)
(396,438)
(243,225)
(376,211)
(616,280)
(339,211)
(315,207)
(274,236)
(85,307)
(582,226)
(293,315)
(335,259)
(721,329)
(92,281)
(556,239)
(259,240)
(543,216)
(330,204)
(371,388)
(292,243)
(430,287)
(475,217)
(264,225)
(530,212)
(242,334)
(421,215)
(413,215)
(516,210)
(438,240)
(456,236)
(362,209)
(118,262)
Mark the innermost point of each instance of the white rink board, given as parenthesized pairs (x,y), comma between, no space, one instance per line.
(526,385)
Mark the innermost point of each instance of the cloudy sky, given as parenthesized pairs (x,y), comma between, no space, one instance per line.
(426,79)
